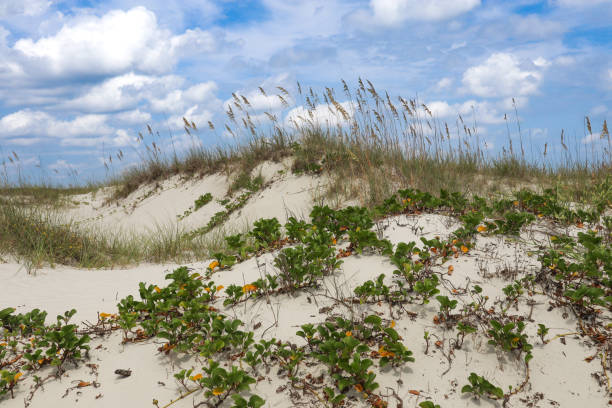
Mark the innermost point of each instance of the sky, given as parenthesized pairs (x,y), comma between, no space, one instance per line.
(80,78)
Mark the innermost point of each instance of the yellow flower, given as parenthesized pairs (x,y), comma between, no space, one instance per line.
(104,315)
(157,289)
(249,287)
(196,377)
(333,241)
(220,287)
(16,377)
(207,289)
(385,353)
(358,387)
(481,228)
(213,265)
(516,203)
(349,333)
(217,391)
(464,249)
(392,324)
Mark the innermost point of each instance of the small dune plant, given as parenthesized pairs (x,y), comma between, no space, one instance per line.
(481,387)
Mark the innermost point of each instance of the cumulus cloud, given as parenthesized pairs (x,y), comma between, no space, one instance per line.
(133,117)
(483,112)
(393,12)
(197,114)
(23,122)
(180,99)
(115,43)
(114,94)
(321,115)
(266,101)
(503,75)
(37,123)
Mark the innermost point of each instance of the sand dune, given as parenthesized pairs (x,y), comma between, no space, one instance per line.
(559,374)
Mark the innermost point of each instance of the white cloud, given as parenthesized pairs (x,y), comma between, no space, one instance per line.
(196,114)
(22,122)
(179,100)
(9,8)
(61,165)
(117,42)
(482,112)
(588,139)
(36,123)
(541,133)
(133,117)
(323,115)
(541,62)
(80,126)
(122,138)
(120,92)
(270,102)
(444,83)
(502,75)
(393,12)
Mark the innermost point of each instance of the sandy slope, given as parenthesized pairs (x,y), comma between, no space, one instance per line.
(560,376)
(158,206)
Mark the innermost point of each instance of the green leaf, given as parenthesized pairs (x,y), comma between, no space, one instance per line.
(344,383)
(373,320)
(256,401)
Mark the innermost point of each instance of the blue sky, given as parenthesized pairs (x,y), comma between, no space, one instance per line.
(79,79)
